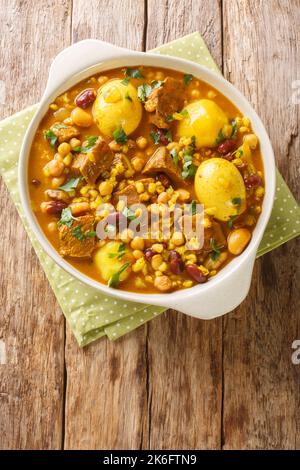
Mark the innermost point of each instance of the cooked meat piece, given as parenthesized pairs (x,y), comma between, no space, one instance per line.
(215,232)
(94,163)
(64,132)
(131,193)
(80,246)
(165,101)
(161,162)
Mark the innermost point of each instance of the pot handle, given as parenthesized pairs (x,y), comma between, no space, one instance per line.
(215,301)
(77,57)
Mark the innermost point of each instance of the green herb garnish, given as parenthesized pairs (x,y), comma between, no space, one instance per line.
(125,81)
(132,73)
(188,169)
(129,214)
(221,137)
(175,157)
(237,201)
(234,129)
(121,252)
(193,207)
(77,233)
(51,137)
(156,84)
(215,250)
(120,136)
(115,278)
(169,136)
(184,113)
(71,184)
(90,233)
(231,220)
(187,78)
(144,91)
(89,144)
(155,137)
(66,217)
(127,96)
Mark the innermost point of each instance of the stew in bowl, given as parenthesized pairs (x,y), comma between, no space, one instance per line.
(140,144)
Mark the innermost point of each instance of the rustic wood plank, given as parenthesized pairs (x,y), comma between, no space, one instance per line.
(106,397)
(184,354)
(261,385)
(31,324)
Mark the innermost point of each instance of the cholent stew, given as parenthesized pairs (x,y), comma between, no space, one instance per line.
(161,138)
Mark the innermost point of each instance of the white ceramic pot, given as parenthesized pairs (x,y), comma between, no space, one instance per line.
(230,286)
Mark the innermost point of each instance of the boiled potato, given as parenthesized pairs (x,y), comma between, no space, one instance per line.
(117,106)
(220,187)
(107,264)
(204,120)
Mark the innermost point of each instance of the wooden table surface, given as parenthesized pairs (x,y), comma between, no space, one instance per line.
(177,382)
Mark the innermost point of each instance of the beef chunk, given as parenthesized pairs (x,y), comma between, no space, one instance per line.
(165,101)
(64,132)
(161,162)
(92,164)
(70,245)
(131,193)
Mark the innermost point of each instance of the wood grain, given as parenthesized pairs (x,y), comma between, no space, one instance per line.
(184,354)
(106,383)
(177,382)
(261,385)
(31,323)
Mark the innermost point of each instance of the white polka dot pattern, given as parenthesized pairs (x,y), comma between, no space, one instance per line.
(89,313)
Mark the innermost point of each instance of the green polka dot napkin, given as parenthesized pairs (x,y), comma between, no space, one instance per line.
(89,313)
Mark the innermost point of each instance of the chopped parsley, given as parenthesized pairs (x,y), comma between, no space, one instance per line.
(66,217)
(187,78)
(144,92)
(193,207)
(115,278)
(51,137)
(156,84)
(155,136)
(71,184)
(237,201)
(184,113)
(169,136)
(234,129)
(188,169)
(89,144)
(131,73)
(175,157)
(120,136)
(231,220)
(121,252)
(127,96)
(221,137)
(215,253)
(129,213)
(78,233)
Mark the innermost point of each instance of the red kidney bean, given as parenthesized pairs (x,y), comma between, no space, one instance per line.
(55,207)
(163,179)
(176,263)
(227,146)
(163,140)
(148,254)
(196,274)
(35,182)
(85,98)
(252,181)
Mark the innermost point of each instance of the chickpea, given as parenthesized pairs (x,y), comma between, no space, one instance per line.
(177,239)
(81,118)
(106,188)
(114,146)
(79,207)
(141,142)
(163,283)
(102,79)
(157,247)
(238,240)
(137,243)
(195,94)
(163,198)
(57,182)
(64,149)
(138,254)
(52,227)
(54,168)
(211,94)
(156,261)
(126,235)
(215,264)
(251,140)
(140,187)
(137,163)
(144,197)
(68,159)
(183,195)
(74,143)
